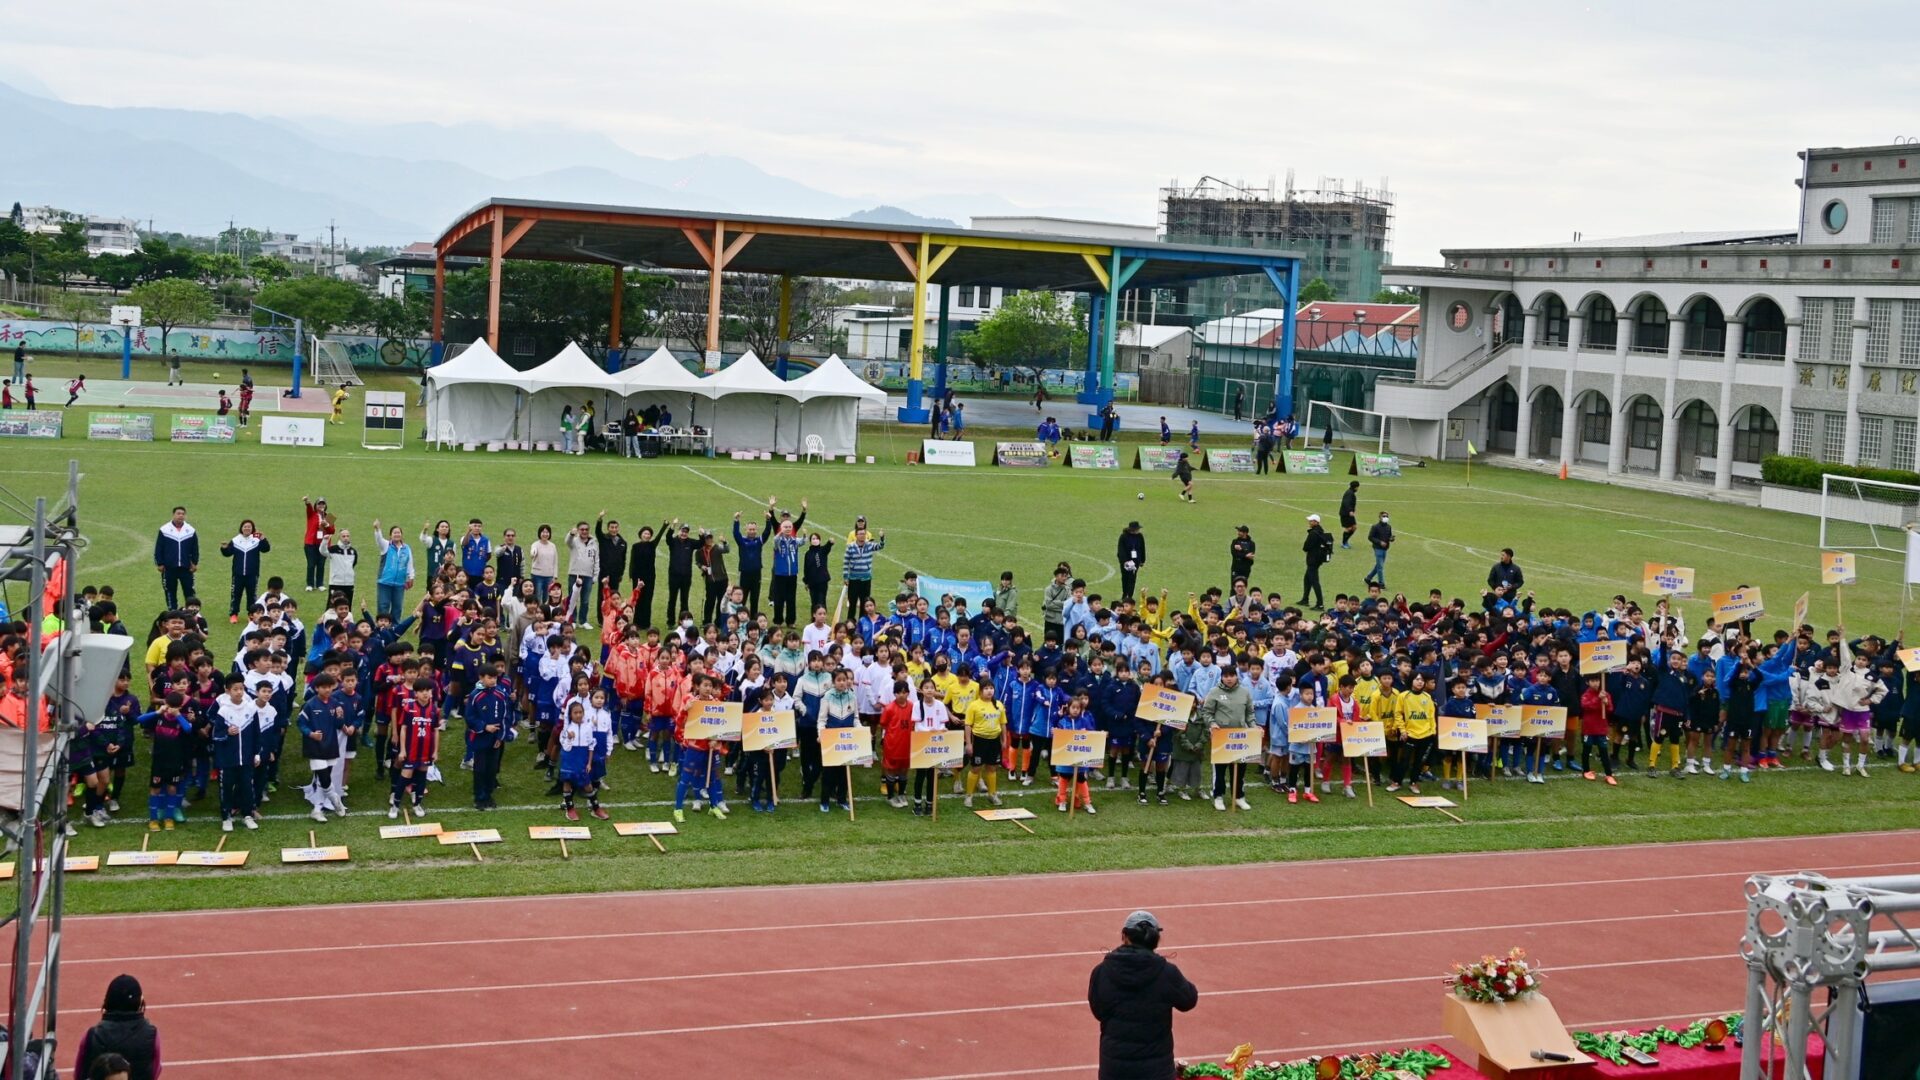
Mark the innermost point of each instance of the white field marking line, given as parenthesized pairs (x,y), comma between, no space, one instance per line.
(1108,569)
(1207,868)
(1288,1053)
(1280,831)
(1719,549)
(923,920)
(836,968)
(761,1025)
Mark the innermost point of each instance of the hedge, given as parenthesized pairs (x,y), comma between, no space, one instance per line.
(1799,472)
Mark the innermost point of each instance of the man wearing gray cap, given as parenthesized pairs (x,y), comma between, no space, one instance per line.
(1133,992)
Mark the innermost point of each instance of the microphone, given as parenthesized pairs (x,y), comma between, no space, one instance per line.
(1549,1055)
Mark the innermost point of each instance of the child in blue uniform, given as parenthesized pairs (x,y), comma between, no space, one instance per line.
(576,761)
(168,762)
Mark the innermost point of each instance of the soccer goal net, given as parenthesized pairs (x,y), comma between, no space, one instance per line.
(332,365)
(1345,425)
(1866,515)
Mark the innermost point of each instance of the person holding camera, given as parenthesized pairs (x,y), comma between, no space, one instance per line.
(1133,993)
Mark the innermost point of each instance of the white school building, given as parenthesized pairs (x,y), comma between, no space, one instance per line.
(1689,356)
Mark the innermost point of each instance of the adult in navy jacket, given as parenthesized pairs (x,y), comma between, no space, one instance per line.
(176,554)
(1133,993)
(245,550)
(1131,552)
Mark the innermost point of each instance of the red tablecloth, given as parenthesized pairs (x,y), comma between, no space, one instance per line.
(1676,1063)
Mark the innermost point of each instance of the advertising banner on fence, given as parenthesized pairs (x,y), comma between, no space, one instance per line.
(206,429)
(40,424)
(1157,458)
(1022,455)
(1092,456)
(1306,462)
(292,431)
(942,452)
(1385,465)
(1229,461)
(125,427)
(1662,579)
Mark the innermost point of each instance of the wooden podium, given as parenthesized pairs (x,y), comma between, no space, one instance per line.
(1504,1035)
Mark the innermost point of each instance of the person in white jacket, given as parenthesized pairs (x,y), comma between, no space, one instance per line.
(1856,691)
(583,569)
(342,561)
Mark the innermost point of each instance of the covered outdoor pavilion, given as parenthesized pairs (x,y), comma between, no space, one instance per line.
(786,248)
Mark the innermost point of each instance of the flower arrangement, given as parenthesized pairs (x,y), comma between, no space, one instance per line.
(1412,1062)
(1494,979)
(1612,1045)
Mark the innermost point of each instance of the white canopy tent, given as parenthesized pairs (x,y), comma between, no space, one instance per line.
(569,379)
(754,409)
(830,397)
(661,379)
(474,397)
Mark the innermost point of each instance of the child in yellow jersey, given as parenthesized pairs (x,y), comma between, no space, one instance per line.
(957,693)
(1419,730)
(986,723)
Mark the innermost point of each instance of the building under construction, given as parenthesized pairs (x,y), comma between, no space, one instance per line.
(1341,232)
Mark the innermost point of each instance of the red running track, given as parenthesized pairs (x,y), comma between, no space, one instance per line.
(981,977)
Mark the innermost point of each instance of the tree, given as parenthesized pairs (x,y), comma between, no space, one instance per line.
(401,322)
(173,302)
(1396,296)
(114,271)
(1031,331)
(76,310)
(158,259)
(325,304)
(69,250)
(1316,291)
(750,314)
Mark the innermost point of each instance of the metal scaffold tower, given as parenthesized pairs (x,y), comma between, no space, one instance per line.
(1807,933)
(44,704)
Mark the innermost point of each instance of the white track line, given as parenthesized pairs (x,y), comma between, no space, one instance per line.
(836,968)
(1265,867)
(1288,1053)
(811,1021)
(924,920)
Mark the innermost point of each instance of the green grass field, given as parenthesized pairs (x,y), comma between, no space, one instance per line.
(1579,544)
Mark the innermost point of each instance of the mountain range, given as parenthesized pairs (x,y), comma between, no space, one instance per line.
(193,171)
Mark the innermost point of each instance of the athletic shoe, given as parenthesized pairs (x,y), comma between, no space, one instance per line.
(1415,788)
(179,815)
(231,619)
(1726,771)
(1826,763)
(393,810)
(1692,769)
(994,799)
(729,769)
(113,806)
(1293,797)
(1536,778)
(226,824)
(1163,800)
(153,826)
(1311,797)
(317,815)
(1676,773)
(251,823)
(1089,808)
(679,815)
(1185,796)
(1611,782)
(1391,788)
(1862,767)
(167,825)
(1559,764)
(1347,790)
(1143,799)
(697,803)
(1026,779)
(1846,770)
(967,802)
(572,814)
(1588,775)
(652,766)
(1326,787)
(1220,804)
(1908,767)
(419,808)
(1060,806)
(1243,804)
(98,819)
(1746,776)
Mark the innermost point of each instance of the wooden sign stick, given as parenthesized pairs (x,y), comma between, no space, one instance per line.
(221,844)
(477,857)
(143,841)
(773,781)
(1073,787)
(1366,770)
(656,843)
(850,816)
(933,789)
(1838,618)
(1463,777)
(1233,792)
(563,848)
(311,841)
(1538,765)
(1023,825)
(1449,813)
(406,815)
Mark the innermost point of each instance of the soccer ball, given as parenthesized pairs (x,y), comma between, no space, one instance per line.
(1139,494)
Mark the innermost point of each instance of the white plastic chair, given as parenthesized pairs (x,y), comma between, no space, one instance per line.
(816,449)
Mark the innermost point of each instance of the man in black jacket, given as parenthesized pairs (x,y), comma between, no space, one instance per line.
(680,548)
(1240,554)
(124,1030)
(1318,549)
(1133,992)
(1132,555)
(613,556)
(1349,513)
(1506,574)
(1381,538)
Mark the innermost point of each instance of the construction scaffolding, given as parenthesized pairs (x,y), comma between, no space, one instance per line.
(1344,234)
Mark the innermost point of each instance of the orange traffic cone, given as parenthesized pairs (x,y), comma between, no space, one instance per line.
(1563,470)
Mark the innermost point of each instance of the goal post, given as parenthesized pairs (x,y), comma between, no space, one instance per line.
(1346,425)
(332,365)
(1866,515)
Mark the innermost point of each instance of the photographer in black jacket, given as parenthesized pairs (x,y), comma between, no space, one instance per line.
(1133,993)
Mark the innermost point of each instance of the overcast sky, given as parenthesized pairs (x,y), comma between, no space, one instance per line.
(1491,122)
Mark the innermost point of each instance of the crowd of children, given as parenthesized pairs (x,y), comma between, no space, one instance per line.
(496,658)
